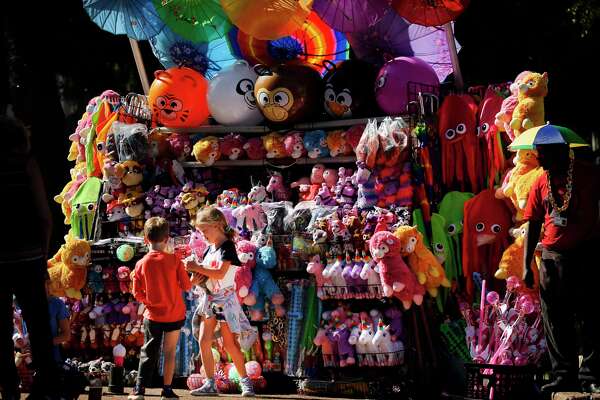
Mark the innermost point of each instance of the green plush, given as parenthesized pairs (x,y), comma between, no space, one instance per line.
(420,223)
(83,206)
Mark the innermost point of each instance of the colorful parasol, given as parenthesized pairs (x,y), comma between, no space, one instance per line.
(314,43)
(430,12)
(195,20)
(546,134)
(135,18)
(267,19)
(393,36)
(206,58)
(351,15)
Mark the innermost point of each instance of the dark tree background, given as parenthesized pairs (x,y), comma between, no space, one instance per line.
(54,59)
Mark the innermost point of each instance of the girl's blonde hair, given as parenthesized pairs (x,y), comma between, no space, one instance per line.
(212,215)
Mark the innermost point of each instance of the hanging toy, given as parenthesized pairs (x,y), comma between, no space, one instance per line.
(529,111)
(349,89)
(68,268)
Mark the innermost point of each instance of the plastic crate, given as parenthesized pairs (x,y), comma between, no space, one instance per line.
(314,387)
(506,381)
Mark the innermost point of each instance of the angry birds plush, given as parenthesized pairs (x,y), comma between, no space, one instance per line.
(68,268)
(349,89)
(423,263)
(232,146)
(255,150)
(396,279)
(231,98)
(337,144)
(273,143)
(288,93)
(315,144)
(177,98)
(529,111)
(294,146)
(207,151)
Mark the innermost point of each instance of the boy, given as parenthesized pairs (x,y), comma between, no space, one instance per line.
(158,280)
(59,322)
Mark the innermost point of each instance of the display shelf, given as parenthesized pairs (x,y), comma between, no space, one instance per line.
(276,162)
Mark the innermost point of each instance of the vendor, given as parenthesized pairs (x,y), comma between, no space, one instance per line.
(565,200)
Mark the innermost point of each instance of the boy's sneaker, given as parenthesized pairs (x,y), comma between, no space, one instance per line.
(247,387)
(168,394)
(208,389)
(137,394)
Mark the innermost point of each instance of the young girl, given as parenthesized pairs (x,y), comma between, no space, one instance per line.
(220,305)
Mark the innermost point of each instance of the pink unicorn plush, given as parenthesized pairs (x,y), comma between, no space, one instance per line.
(277,188)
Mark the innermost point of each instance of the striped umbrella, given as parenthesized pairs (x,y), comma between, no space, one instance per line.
(547,134)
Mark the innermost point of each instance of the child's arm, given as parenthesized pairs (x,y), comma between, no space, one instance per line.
(217,273)
(182,276)
(139,286)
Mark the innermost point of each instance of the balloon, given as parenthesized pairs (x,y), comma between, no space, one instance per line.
(492,298)
(194,381)
(177,98)
(125,252)
(231,98)
(349,89)
(253,369)
(397,77)
(288,94)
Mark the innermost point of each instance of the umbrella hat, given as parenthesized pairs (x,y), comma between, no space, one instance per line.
(546,134)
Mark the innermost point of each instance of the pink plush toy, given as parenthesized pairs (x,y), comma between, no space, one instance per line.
(330,176)
(180,145)
(315,267)
(277,188)
(324,196)
(353,135)
(246,251)
(197,244)
(396,278)
(251,217)
(232,146)
(255,150)
(509,104)
(123,275)
(294,145)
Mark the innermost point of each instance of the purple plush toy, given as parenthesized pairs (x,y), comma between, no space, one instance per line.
(324,196)
(394,317)
(345,349)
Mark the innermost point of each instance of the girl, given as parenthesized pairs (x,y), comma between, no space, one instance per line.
(219,304)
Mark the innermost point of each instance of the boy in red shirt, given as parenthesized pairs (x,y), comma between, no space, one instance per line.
(158,281)
(565,201)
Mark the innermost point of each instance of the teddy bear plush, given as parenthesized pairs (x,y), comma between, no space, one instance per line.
(529,111)
(315,144)
(232,146)
(263,286)
(246,251)
(207,151)
(68,268)
(274,146)
(504,116)
(396,278)
(511,263)
(337,144)
(521,176)
(423,263)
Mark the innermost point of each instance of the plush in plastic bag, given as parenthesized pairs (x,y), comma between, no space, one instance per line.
(276,215)
(131,141)
(368,146)
(299,219)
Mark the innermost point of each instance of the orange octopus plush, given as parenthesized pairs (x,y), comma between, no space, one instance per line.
(423,263)
(177,98)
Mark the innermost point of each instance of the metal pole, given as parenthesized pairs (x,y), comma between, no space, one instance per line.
(139,63)
(458,79)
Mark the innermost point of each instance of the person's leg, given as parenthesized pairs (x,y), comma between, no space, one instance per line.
(9,379)
(169,348)
(207,330)
(30,292)
(149,353)
(559,320)
(233,349)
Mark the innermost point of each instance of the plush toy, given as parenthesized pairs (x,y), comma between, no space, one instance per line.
(394,318)
(324,196)
(491,151)
(207,151)
(251,217)
(273,143)
(255,150)
(529,111)
(159,145)
(84,205)
(423,263)
(330,176)
(177,98)
(288,93)
(353,136)
(94,278)
(522,188)
(132,176)
(511,263)
(246,251)
(134,204)
(486,224)
(277,187)
(232,146)
(504,116)
(78,176)
(263,285)
(68,268)
(112,174)
(179,145)
(345,351)
(231,98)
(315,144)
(123,275)
(520,179)
(336,142)
(315,267)
(397,280)
(294,146)
(349,89)
(443,248)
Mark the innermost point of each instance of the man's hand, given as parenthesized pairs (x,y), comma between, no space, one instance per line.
(528,277)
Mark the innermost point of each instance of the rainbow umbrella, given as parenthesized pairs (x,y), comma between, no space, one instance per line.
(135,18)
(314,43)
(195,20)
(206,58)
(546,134)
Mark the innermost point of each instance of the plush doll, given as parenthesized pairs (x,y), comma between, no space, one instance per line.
(325,197)
(159,145)
(294,145)
(442,247)
(330,176)
(123,273)
(423,263)
(232,146)
(486,224)
(78,176)
(246,251)
(207,151)
(263,285)
(522,188)
(197,244)
(315,267)
(316,144)
(109,276)
(394,318)
(255,150)
(504,116)
(521,176)
(277,188)
(251,217)
(491,152)
(336,142)
(511,263)
(529,111)
(397,280)
(68,268)
(132,176)
(83,206)
(112,175)
(180,145)
(367,196)
(115,211)
(273,143)
(345,350)
(94,279)
(353,136)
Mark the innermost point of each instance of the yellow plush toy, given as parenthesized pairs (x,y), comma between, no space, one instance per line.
(274,145)
(78,175)
(336,141)
(511,263)
(421,261)
(529,111)
(207,151)
(68,268)
(521,178)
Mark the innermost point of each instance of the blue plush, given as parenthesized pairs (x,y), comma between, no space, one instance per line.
(315,144)
(263,285)
(95,282)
